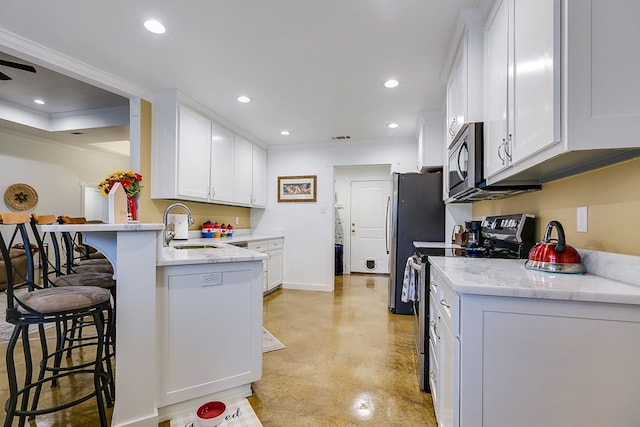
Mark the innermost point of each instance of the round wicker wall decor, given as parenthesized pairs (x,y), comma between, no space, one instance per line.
(20,197)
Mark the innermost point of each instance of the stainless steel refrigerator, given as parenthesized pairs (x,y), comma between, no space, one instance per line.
(415,213)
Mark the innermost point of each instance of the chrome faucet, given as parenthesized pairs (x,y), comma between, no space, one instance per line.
(169,235)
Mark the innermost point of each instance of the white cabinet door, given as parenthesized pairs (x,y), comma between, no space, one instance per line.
(194,301)
(456,96)
(274,264)
(497,66)
(532,362)
(435,331)
(262,246)
(275,269)
(603,66)
(222,154)
(522,81)
(194,146)
(259,177)
(242,171)
(448,371)
(430,147)
(536,76)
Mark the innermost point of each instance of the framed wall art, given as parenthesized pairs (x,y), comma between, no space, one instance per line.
(297,188)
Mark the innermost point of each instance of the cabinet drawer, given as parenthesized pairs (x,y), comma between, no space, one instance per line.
(447,302)
(275,244)
(449,307)
(258,246)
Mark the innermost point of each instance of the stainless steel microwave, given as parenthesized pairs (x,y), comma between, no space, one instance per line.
(466,170)
(465,159)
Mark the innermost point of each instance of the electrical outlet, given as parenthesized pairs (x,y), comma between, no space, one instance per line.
(237,220)
(210,279)
(581,219)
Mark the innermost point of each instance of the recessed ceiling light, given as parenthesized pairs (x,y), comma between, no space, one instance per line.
(39,101)
(285,133)
(391,83)
(244,99)
(392,125)
(154,26)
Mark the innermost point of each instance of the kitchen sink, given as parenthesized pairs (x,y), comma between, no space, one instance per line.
(195,247)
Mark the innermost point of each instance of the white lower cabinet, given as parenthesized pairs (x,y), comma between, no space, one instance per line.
(273,266)
(533,362)
(275,263)
(444,354)
(209,330)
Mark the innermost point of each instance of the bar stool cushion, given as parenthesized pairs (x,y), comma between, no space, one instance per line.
(93,261)
(93,268)
(101,280)
(60,300)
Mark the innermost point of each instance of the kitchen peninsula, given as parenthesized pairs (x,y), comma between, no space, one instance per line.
(176,347)
(516,347)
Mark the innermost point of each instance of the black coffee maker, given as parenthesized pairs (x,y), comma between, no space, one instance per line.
(474,230)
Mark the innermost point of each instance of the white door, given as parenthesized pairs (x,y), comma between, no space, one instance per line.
(367,226)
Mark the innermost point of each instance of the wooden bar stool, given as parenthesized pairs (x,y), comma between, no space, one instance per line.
(31,305)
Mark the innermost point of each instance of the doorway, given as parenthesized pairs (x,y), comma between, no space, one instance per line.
(344,176)
(368,226)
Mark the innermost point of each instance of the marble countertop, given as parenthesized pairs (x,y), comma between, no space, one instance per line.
(220,250)
(129,226)
(509,278)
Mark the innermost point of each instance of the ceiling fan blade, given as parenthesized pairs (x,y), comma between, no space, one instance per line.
(23,67)
(3,76)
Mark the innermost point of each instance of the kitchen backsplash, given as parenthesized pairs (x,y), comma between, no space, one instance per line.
(612,197)
(625,268)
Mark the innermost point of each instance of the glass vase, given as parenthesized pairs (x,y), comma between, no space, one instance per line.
(133,208)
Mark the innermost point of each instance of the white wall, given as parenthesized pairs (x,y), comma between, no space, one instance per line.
(308,227)
(55,171)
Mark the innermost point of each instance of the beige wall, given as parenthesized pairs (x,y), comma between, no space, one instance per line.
(152,210)
(612,195)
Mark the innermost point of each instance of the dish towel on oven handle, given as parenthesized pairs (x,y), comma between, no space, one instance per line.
(409,285)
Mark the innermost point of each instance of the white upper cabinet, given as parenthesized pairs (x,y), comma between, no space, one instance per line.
(456,95)
(562,87)
(464,69)
(522,107)
(430,148)
(222,163)
(193,154)
(259,177)
(242,171)
(195,158)
(496,69)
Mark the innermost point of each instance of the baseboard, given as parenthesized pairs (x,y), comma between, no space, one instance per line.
(308,287)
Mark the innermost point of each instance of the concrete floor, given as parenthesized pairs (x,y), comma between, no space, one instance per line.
(348,362)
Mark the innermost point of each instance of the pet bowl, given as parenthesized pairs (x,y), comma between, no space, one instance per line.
(210,414)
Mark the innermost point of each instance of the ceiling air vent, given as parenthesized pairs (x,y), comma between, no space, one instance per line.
(340,138)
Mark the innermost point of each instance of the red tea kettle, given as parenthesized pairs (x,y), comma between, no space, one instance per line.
(554,257)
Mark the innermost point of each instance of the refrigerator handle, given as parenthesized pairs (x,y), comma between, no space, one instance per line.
(386,225)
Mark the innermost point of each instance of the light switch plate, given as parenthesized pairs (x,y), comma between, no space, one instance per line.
(581,219)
